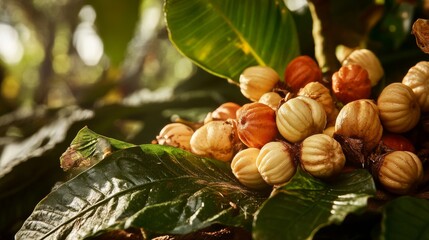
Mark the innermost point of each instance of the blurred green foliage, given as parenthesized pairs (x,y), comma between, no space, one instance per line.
(114,59)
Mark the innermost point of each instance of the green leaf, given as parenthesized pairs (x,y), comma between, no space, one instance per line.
(224,37)
(406,218)
(305,204)
(116,22)
(88,148)
(161,189)
(395,26)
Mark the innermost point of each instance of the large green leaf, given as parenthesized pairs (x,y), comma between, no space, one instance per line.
(162,189)
(304,205)
(406,218)
(116,22)
(226,36)
(46,134)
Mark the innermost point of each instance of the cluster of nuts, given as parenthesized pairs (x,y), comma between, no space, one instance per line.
(320,126)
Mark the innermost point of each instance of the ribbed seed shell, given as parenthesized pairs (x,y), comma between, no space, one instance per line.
(244,168)
(299,118)
(215,139)
(321,94)
(275,163)
(417,79)
(322,156)
(399,109)
(271,99)
(176,135)
(400,172)
(256,124)
(368,60)
(257,80)
(359,119)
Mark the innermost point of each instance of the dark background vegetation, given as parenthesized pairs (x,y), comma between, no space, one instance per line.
(53,81)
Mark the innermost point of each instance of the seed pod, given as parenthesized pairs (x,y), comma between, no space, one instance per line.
(417,78)
(329,131)
(332,117)
(257,80)
(397,142)
(359,119)
(176,135)
(399,109)
(342,52)
(299,118)
(244,168)
(216,139)
(322,156)
(225,111)
(400,172)
(275,163)
(256,124)
(369,61)
(271,99)
(351,83)
(321,94)
(301,71)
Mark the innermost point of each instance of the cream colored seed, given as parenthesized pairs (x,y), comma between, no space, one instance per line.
(369,61)
(360,119)
(216,139)
(299,118)
(176,135)
(271,99)
(322,156)
(257,80)
(275,163)
(399,108)
(244,168)
(400,172)
(417,78)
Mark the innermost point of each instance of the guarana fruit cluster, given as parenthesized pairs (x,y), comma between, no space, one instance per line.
(325,126)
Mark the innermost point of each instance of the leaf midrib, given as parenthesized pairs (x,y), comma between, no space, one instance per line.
(120,193)
(239,35)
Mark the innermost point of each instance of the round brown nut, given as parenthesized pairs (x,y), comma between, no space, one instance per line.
(322,156)
(320,93)
(225,111)
(244,168)
(257,80)
(329,131)
(360,119)
(368,60)
(275,163)
(216,139)
(256,124)
(351,83)
(271,99)
(397,142)
(399,108)
(417,78)
(176,135)
(400,172)
(301,71)
(299,118)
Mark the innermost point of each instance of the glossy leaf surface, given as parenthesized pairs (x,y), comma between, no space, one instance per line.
(161,189)
(115,23)
(406,218)
(224,37)
(304,205)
